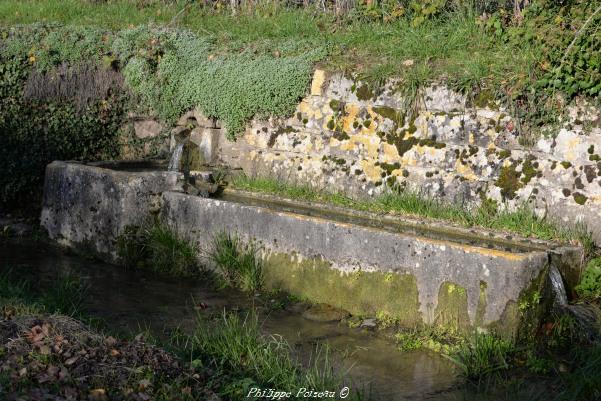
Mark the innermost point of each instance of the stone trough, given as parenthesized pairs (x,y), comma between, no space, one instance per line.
(415,271)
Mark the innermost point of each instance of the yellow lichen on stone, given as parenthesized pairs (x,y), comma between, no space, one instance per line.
(390,154)
(572,145)
(372,172)
(465,171)
(251,138)
(319,78)
(334,142)
(305,108)
(351,111)
(370,143)
(471,138)
(319,145)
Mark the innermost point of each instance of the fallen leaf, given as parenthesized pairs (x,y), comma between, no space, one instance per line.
(144,384)
(45,350)
(71,360)
(98,394)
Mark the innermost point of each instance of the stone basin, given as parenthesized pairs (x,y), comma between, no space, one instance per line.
(414,271)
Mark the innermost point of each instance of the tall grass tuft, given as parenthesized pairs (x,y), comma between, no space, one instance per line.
(238,263)
(482,356)
(236,344)
(156,246)
(65,295)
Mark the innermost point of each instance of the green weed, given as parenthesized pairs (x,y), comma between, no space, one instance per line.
(444,340)
(238,263)
(237,345)
(65,295)
(590,285)
(156,246)
(482,356)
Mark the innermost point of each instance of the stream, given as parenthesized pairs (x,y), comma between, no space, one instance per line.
(130,301)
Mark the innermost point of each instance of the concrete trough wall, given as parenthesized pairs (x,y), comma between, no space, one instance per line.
(88,206)
(364,269)
(487,284)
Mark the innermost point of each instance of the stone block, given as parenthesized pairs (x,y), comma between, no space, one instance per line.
(147,128)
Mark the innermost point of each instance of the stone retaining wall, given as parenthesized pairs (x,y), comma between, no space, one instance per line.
(346,137)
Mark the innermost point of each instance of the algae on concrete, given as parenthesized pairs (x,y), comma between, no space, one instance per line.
(360,293)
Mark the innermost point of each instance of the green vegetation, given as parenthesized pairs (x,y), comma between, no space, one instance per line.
(236,347)
(238,263)
(521,221)
(18,297)
(590,284)
(484,355)
(441,339)
(66,86)
(155,246)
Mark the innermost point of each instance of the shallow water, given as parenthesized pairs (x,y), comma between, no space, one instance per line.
(131,301)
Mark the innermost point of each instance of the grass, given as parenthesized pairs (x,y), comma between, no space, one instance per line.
(482,356)
(453,46)
(521,221)
(238,263)
(64,296)
(236,345)
(158,247)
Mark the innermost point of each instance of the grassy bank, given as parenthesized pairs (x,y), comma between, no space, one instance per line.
(460,41)
(522,221)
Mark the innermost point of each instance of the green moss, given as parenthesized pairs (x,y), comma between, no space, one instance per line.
(485,98)
(528,169)
(390,167)
(402,145)
(508,181)
(451,310)
(336,105)
(504,154)
(364,92)
(388,112)
(566,164)
(591,149)
(431,143)
(367,123)
(579,198)
(594,158)
(341,135)
(331,124)
(366,293)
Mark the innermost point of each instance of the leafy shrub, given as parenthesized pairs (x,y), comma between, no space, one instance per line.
(590,285)
(35,127)
(156,246)
(568,37)
(238,263)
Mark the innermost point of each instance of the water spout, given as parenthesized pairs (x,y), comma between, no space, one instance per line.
(559,291)
(176,157)
(181,138)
